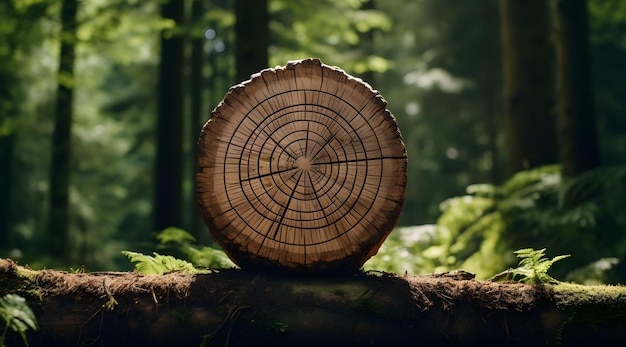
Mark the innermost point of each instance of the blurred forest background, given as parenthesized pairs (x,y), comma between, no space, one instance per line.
(513,113)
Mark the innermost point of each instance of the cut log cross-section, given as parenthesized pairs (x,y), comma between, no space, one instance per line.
(301,168)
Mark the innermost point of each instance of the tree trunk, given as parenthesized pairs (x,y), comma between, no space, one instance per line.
(577,128)
(528,67)
(233,307)
(58,219)
(168,194)
(197,112)
(490,83)
(7,146)
(366,44)
(251,37)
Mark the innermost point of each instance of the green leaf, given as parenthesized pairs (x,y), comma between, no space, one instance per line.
(160,264)
(17,316)
(209,257)
(182,244)
(175,235)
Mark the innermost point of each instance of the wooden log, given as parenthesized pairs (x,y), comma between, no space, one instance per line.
(302,169)
(238,308)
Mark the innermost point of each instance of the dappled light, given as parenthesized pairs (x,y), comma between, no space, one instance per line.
(143,79)
(312,172)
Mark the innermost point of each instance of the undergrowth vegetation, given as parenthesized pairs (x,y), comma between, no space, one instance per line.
(184,255)
(16,316)
(478,232)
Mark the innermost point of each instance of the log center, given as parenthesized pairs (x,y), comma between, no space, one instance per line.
(303,163)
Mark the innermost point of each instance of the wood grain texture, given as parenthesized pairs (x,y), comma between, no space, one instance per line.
(302,167)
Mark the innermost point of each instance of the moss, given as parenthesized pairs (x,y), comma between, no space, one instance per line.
(588,306)
(18,280)
(576,295)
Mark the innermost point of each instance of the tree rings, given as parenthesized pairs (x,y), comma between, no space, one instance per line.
(302,168)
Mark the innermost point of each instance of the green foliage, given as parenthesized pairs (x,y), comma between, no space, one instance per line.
(159,264)
(404,251)
(444,68)
(594,273)
(530,210)
(188,257)
(478,232)
(17,316)
(607,21)
(330,30)
(181,243)
(174,236)
(111,133)
(533,268)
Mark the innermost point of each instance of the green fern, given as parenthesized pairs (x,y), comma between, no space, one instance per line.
(174,235)
(160,264)
(182,244)
(17,316)
(188,257)
(533,268)
(479,231)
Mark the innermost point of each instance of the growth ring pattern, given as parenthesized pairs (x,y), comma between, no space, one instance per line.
(303,168)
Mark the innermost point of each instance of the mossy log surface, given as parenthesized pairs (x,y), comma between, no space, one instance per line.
(237,308)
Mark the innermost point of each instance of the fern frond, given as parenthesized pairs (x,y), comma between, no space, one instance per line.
(17,316)
(175,235)
(534,267)
(160,264)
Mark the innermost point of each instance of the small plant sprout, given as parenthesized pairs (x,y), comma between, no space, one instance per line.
(533,268)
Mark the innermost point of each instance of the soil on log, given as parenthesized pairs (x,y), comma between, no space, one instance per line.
(237,308)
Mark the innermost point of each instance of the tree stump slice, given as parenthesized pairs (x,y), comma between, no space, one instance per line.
(302,168)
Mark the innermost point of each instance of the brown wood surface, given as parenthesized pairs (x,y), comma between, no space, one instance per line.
(302,167)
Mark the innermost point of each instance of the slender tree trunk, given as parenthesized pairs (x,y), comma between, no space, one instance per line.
(366,43)
(58,219)
(197,114)
(577,128)
(491,83)
(168,194)
(8,114)
(7,145)
(528,67)
(251,37)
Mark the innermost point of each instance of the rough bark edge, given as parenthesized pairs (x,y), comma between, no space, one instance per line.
(233,307)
